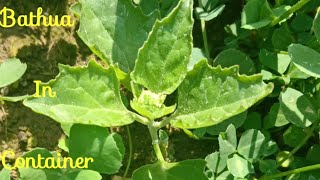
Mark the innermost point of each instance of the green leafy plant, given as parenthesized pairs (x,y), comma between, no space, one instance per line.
(152,73)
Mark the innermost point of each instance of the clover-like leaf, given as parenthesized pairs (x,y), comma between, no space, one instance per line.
(52,173)
(114,30)
(107,150)
(278,62)
(239,167)
(293,136)
(228,141)
(297,108)
(251,144)
(275,117)
(210,95)
(302,22)
(226,175)
(84,95)
(171,171)
(162,61)
(10,71)
(256,14)
(282,38)
(216,163)
(313,154)
(306,59)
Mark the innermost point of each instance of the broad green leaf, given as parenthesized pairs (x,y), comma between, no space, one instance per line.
(162,61)
(13,99)
(306,59)
(85,95)
(228,141)
(275,117)
(297,108)
(256,14)
(5,174)
(316,25)
(151,105)
(10,71)
(107,150)
(293,136)
(236,120)
(278,62)
(216,163)
(115,30)
(239,167)
(53,174)
(210,95)
(186,170)
(282,38)
(231,57)
(251,144)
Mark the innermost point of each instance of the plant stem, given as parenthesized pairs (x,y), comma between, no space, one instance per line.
(294,171)
(205,39)
(293,9)
(162,123)
(204,35)
(130,153)
(5,122)
(304,140)
(155,142)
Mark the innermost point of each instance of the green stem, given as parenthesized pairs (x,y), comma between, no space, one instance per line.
(162,123)
(155,141)
(204,36)
(205,39)
(293,9)
(304,140)
(130,153)
(294,171)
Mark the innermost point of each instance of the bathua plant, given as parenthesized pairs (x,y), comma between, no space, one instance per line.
(148,57)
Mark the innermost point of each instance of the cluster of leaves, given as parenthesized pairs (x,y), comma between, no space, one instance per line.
(165,80)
